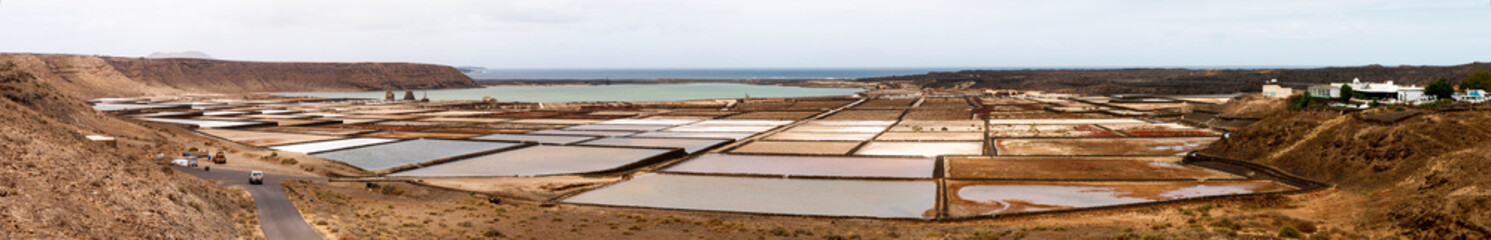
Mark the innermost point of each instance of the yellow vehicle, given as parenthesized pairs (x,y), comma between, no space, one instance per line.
(220,158)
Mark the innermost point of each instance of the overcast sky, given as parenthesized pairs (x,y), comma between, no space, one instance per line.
(767,33)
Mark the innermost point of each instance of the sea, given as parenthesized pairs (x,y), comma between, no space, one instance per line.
(604,93)
(763,73)
(673,92)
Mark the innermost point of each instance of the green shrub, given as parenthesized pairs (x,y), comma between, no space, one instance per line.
(492,233)
(1480,79)
(1300,102)
(390,190)
(1436,103)
(1290,232)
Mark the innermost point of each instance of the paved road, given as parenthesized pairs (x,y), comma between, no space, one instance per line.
(277,216)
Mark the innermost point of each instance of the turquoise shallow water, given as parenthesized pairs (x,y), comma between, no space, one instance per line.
(596,93)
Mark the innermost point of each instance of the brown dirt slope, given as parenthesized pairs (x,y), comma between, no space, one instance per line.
(56,185)
(1426,175)
(1251,106)
(82,76)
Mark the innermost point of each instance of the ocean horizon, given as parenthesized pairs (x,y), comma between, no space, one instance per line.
(769,73)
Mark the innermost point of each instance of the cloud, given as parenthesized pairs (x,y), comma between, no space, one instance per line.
(767,33)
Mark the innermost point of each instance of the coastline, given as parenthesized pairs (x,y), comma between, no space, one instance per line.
(626,91)
(808,83)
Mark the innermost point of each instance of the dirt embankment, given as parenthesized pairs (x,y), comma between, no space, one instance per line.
(1426,175)
(1179,81)
(91,76)
(54,184)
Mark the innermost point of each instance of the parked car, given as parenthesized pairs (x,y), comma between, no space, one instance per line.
(256,177)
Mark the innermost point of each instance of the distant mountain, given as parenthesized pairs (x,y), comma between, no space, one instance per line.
(186,54)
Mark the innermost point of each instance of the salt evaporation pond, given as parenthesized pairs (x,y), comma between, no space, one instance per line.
(820,197)
(968,199)
(809,166)
(595,93)
(1077,168)
(538,161)
(582,133)
(703,135)
(820,136)
(618,127)
(205,123)
(720,128)
(931,136)
(688,145)
(837,129)
(850,123)
(405,153)
(1065,121)
(929,149)
(674,122)
(316,147)
(262,139)
(550,139)
(740,122)
(1100,146)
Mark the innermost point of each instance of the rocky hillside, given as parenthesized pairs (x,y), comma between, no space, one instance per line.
(221,76)
(1426,175)
(56,185)
(1179,81)
(92,76)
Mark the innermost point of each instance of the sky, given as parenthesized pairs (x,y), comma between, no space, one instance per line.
(767,33)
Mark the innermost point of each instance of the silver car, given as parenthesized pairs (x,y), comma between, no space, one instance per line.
(256,177)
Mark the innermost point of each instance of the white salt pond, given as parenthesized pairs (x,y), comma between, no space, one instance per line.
(205,123)
(549,139)
(992,198)
(1065,121)
(850,123)
(848,198)
(742,122)
(688,145)
(582,133)
(938,126)
(392,155)
(931,136)
(122,107)
(538,161)
(720,128)
(702,135)
(820,136)
(316,147)
(162,114)
(837,129)
(618,127)
(674,122)
(929,149)
(809,166)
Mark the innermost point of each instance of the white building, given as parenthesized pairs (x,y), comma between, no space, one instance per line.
(1275,91)
(1473,95)
(1385,92)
